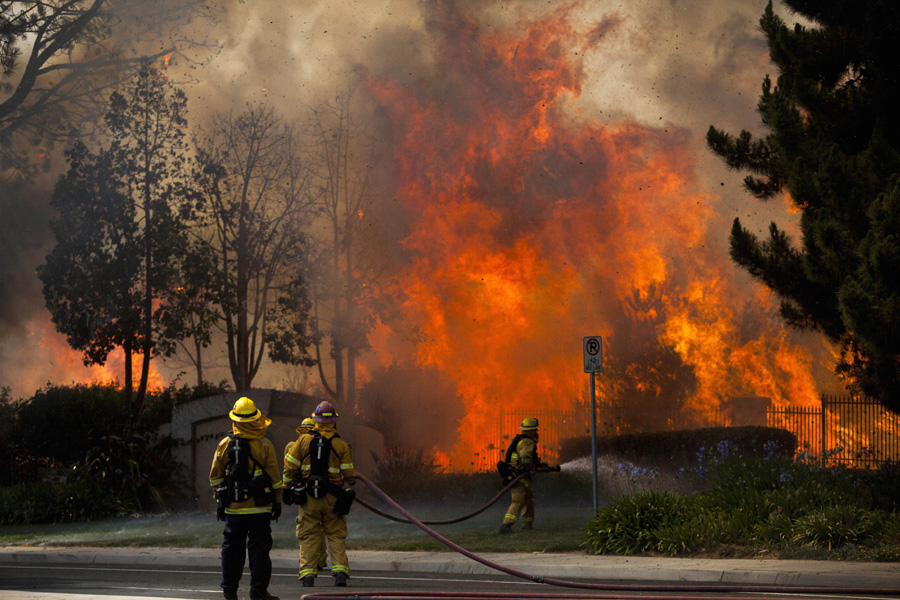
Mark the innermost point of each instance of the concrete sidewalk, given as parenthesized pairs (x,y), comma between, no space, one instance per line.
(881,576)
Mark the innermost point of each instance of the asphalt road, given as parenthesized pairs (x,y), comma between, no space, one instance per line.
(58,582)
(123,580)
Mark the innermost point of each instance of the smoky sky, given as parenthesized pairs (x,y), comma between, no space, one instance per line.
(688,64)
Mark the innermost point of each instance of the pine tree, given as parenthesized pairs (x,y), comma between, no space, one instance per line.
(833,146)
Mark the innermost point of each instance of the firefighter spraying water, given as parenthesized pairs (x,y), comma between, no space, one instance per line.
(522,459)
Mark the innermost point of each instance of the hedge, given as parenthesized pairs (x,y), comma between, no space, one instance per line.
(683,445)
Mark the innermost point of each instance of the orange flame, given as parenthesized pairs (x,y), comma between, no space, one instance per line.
(67,366)
(531,229)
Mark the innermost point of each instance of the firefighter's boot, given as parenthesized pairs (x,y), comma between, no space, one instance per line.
(308,581)
(340,580)
(506,528)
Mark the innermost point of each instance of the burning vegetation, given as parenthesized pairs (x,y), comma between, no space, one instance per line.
(532,224)
(520,219)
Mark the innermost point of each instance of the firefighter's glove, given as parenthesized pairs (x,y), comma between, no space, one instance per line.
(220,513)
(543,465)
(276,511)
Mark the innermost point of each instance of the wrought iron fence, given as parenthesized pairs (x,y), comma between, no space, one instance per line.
(847,430)
(555,426)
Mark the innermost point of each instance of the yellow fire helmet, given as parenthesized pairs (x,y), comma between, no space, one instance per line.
(529,424)
(308,422)
(244,410)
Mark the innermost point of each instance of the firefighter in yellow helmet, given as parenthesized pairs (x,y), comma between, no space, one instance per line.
(324,463)
(522,456)
(305,427)
(244,475)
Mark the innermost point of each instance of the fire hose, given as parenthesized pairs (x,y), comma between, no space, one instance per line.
(449,521)
(723,588)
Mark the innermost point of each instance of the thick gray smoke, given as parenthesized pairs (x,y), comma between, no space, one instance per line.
(691,64)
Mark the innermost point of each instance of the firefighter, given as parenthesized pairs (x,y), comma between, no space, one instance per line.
(306,426)
(246,481)
(324,463)
(522,456)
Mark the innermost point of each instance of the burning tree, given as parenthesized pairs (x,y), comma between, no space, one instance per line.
(345,159)
(255,188)
(121,230)
(833,146)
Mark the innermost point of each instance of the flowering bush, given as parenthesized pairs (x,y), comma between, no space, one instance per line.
(762,503)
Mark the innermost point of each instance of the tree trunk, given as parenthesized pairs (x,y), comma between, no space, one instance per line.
(127,384)
(199,362)
(350,317)
(339,329)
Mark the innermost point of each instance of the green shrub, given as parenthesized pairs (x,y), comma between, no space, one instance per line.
(887,530)
(759,502)
(773,532)
(701,530)
(630,524)
(141,470)
(58,502)
(87,433)
(158,405)
(684,446)
(833,526)
(62,423)
(880,488)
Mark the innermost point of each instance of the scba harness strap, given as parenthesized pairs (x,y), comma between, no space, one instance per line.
(320,451)
(240,483)
(505,468)
(317,484)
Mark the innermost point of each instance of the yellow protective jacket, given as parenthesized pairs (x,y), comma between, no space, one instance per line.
(300,431)
(524,455)
(340,463)
(262,449)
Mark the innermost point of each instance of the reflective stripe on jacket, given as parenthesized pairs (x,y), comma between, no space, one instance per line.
(340,462)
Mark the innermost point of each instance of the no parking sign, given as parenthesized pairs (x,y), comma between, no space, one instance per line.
(593,354)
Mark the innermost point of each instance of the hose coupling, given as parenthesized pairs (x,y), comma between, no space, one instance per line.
(537,578)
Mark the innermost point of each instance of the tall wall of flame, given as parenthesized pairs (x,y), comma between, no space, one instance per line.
(532,224)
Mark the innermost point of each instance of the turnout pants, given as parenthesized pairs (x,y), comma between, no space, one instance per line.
(323,554)
(247,534)
(522,503)
(318,523)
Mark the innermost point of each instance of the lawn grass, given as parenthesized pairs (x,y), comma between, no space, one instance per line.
(559,527)
(203,531)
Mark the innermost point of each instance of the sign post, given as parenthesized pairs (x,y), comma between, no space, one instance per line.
(593,363)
